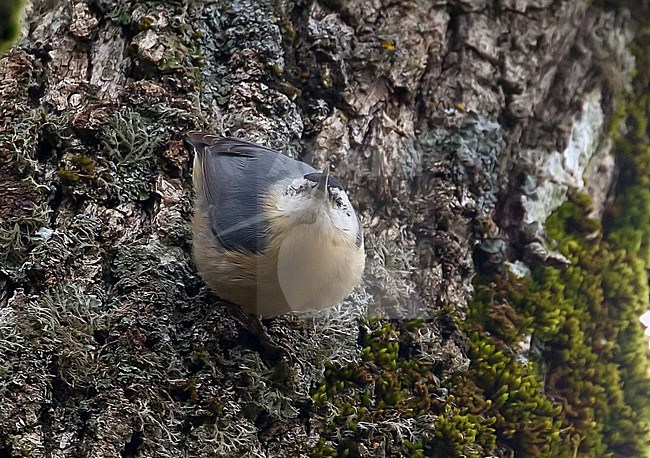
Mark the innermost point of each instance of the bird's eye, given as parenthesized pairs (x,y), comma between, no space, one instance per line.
(296,190)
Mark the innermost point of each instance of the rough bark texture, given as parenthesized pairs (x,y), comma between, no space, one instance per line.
(446,120)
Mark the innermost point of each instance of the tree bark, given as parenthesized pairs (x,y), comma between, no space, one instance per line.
(440,117)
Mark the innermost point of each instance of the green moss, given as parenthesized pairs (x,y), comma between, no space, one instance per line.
(508,388)
(392,387)
(628,230)
(81,167)
(583,386)
(68,176)
(85,164)
(11,12)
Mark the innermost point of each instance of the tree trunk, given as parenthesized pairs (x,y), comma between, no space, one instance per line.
(440,118)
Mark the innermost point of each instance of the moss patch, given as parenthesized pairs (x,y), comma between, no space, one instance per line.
(396,387)
(579,365)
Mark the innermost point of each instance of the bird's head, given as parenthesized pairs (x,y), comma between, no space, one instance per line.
(319,200)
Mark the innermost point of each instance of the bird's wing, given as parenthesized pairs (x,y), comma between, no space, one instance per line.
(236,177)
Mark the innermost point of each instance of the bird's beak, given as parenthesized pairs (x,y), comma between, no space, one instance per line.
(320,192)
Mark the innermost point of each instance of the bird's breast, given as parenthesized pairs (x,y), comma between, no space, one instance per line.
(316,268)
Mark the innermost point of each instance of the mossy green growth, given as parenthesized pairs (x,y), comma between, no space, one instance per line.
(11,12)
(507,386)
(570,340)
(628,229)
(394,387)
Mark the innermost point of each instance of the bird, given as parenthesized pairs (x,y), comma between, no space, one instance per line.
(270,233)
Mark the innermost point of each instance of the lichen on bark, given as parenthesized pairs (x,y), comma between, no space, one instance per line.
(439,117)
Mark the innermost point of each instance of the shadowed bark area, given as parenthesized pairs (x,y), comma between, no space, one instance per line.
(450,123)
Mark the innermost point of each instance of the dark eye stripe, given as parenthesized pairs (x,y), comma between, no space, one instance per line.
(331,181)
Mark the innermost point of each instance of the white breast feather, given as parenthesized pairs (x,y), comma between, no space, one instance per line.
(317,270)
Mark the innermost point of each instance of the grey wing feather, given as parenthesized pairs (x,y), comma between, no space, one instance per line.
(237,176)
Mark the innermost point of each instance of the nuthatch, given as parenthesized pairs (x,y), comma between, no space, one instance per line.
(271,234)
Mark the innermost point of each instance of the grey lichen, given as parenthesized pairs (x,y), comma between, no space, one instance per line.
(130,144)
(62,323)
(19,235)
(474,149)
